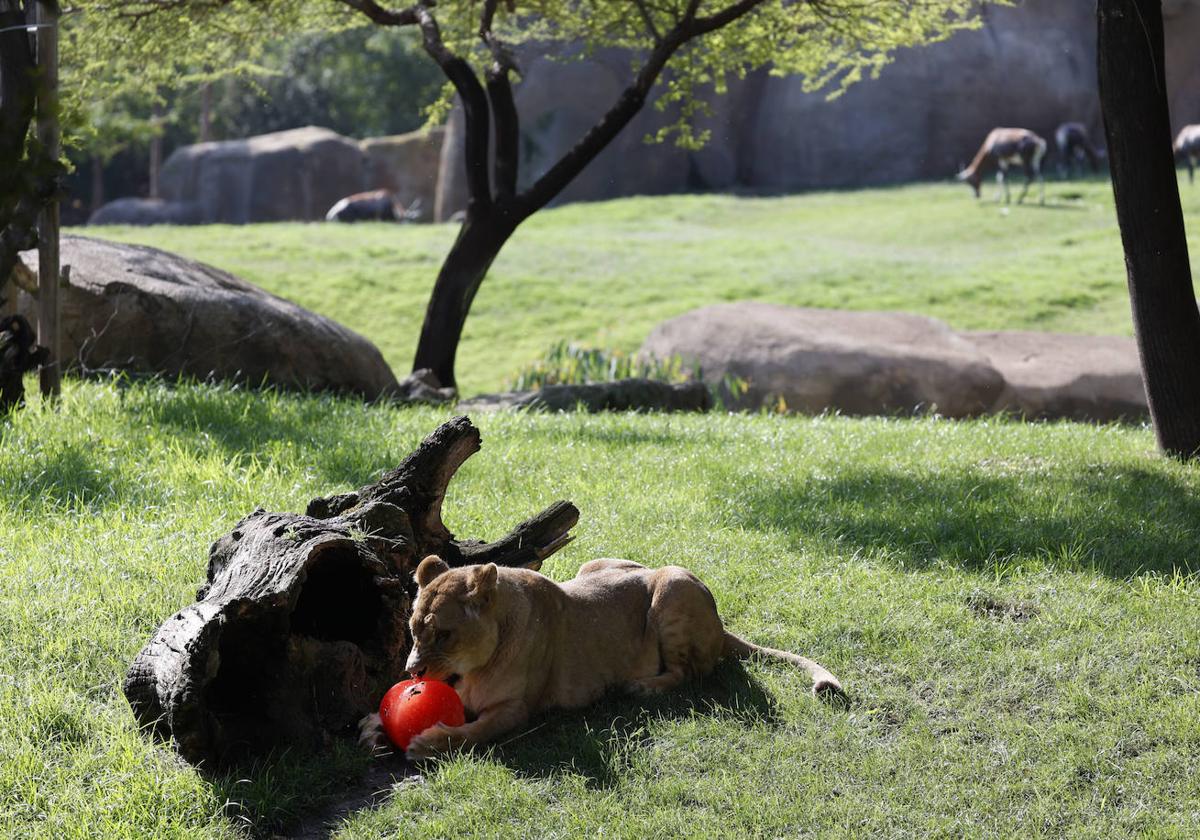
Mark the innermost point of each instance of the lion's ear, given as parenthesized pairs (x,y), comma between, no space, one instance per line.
(430,568)
(483,583)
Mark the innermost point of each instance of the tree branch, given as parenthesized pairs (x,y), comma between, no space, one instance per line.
(382,16)
(508,130)
(466,84)
(628,104)
(710,23)
(631,100)
(475,109)
(648,19)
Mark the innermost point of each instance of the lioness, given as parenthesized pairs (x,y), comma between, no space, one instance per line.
(518,642)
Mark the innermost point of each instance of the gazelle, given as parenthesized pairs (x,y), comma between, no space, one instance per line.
(1187,146)
(1009,146)
(1071,139)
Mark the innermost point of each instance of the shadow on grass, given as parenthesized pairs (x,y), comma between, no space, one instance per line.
(308,796)
(1112,520)
(247,422)
(69,477)
(599,741)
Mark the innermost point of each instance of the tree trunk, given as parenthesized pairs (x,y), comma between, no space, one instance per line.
(49,269)
(479,241)
(97,182)
(156,151)
(1138,129)
(302,624)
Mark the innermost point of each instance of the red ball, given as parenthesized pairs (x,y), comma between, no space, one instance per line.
(412,706)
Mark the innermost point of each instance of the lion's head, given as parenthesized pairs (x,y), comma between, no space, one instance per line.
(453,629)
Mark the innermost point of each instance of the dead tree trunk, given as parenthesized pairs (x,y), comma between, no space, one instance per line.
(302,624)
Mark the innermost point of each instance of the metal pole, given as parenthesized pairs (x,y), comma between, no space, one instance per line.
(48,258)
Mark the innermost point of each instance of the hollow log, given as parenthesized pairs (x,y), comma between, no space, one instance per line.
(302,623)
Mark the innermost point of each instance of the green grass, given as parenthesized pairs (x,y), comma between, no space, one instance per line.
(603,275)
(1014,608)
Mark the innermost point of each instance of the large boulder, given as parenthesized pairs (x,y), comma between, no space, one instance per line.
(406,165)
(828,360)
(1077,377)
(288,175)
(142,310)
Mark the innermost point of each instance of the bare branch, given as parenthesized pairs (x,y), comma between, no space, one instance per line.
(382,16)
(648,19)
(486,17)
(472,96)
(711,23)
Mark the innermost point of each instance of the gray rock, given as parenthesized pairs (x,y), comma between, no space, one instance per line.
(288,175)
(1076,377)
(146,211)
(827,360)
(622,395)
(138,309)
(407,165)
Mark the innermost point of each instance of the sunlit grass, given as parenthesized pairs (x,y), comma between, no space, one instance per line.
(1014,608)
(604,274)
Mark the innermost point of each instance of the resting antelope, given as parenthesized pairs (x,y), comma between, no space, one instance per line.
(1008,146)
(1073,147)
(1187,146)
(376,205)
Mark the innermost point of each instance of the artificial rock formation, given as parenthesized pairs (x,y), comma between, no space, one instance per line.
(146,311)
(301,625)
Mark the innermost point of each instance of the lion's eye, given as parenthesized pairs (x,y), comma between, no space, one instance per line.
(443,636)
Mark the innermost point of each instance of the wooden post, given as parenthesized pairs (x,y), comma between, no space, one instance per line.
(48,137)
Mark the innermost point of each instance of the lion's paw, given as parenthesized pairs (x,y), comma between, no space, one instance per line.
(433,741)
(370,733)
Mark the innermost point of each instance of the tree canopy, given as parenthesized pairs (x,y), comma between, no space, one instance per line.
(147,46)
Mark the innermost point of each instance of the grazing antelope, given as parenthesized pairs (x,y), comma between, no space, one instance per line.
(1074,147)
(373,206)
(1187,146)
(1008,146)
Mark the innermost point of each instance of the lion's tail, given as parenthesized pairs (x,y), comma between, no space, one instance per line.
(825,684)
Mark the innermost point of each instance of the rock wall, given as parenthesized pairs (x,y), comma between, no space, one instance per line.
(406,165)
(296,174)
(1030,65)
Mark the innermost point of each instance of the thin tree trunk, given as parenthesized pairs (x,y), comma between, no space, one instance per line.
(156,151)
(97,182)
(205,112)
(478,243)
(1137,125)
(49,308)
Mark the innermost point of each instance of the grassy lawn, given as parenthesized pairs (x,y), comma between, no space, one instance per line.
(605,274)
(1013,607)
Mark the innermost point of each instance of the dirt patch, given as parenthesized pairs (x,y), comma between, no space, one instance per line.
(987,606)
